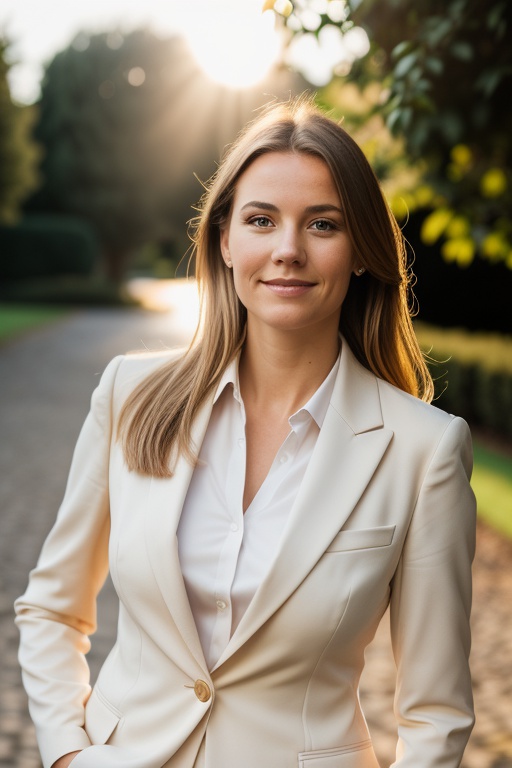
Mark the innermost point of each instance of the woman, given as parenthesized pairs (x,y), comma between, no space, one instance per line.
(250,581)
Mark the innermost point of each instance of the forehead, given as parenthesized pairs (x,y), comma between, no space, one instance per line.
(285,174)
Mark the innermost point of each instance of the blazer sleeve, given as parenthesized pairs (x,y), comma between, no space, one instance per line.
(58,610)
(430,612)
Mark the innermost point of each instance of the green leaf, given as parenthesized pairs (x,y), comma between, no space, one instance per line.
(423,86)
(424,103)
(488,81)
(394,102)
(401,49)
(406,117)
(434,65)
(452,126)
(393,120)
(462,50)
(405,65)
(495,16)
(436,30)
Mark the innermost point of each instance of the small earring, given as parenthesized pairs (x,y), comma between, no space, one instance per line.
(361,270)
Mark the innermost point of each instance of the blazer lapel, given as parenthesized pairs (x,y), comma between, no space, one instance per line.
(349,448)
(166,499)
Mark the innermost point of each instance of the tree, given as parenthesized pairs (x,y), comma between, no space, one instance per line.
(110,150)
(18,153)
(445,70)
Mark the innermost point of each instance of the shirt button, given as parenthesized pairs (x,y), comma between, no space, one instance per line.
(221,604)
(234,527)
(202,690)
(241,442)
(283,459)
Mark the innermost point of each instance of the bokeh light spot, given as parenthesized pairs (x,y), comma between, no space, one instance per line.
(136,76)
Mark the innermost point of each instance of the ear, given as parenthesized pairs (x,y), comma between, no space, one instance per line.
(224,246)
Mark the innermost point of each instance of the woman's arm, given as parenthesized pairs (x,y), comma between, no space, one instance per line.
(430,610)
(58,610)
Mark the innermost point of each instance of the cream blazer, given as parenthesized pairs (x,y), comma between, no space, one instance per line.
(384,515)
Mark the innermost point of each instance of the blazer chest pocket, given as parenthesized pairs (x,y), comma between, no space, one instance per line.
(366,538)
(360,755)
(101,718)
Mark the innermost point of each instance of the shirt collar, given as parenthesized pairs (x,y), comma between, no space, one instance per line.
(318,403)
(316,406)
(230,376)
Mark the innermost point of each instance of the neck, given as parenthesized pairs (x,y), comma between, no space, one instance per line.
(282,371)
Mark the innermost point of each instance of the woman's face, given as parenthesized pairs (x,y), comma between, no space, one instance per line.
(287,244)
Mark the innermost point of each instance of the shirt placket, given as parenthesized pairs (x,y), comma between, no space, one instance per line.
(282,462)
(234,528)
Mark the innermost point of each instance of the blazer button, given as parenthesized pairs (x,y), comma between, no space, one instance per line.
(202,690)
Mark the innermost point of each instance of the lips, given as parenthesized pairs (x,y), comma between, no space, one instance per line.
(287,282)
(288,288)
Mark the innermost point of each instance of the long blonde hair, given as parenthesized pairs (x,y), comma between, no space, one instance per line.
(156,420)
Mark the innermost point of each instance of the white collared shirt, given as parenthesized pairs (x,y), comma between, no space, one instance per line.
(224,553)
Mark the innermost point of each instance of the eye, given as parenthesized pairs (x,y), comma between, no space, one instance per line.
(323,225)
(262,222)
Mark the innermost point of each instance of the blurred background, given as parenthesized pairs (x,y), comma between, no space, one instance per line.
(112,116)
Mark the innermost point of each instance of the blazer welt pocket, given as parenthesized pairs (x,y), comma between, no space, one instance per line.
(359,755)
(365,538)
(101,718)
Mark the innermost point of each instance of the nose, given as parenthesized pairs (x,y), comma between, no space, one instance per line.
(289,248)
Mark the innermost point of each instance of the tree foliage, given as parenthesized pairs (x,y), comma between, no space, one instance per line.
(446,74)
(103,102)
(18,153)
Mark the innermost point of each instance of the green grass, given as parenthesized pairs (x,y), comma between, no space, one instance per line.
(16,318)
(492,484)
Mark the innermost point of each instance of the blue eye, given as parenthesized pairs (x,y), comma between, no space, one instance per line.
(260,221)
(322,225)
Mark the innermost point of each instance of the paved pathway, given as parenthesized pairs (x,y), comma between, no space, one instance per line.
(46,379)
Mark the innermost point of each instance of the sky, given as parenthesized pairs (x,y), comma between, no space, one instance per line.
(38,29)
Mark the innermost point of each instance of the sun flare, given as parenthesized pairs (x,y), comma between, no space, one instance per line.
(234,43)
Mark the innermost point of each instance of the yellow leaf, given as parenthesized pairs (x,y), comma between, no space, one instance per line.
(435,225)
(461,155)
(454,172)
(399,207)
(424,195)
(461,250)
(458,227)
(494,246)
(493,183)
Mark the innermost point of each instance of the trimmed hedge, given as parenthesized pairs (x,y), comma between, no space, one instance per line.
(472,374)
(44,246)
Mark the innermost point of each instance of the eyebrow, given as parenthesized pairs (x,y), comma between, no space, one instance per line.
(310,209)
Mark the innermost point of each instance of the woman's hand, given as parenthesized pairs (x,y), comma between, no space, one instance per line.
(65,760)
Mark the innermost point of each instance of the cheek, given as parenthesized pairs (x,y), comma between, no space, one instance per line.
(337,274)
(242,280)
(246,260)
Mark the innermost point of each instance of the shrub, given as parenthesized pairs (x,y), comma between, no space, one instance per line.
(44,246)
(472,373)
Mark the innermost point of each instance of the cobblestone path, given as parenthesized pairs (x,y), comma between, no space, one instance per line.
(46,379)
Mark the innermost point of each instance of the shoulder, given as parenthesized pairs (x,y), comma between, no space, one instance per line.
(367,401)
(401,406)
(136,366)
(125,372)
(423,425)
